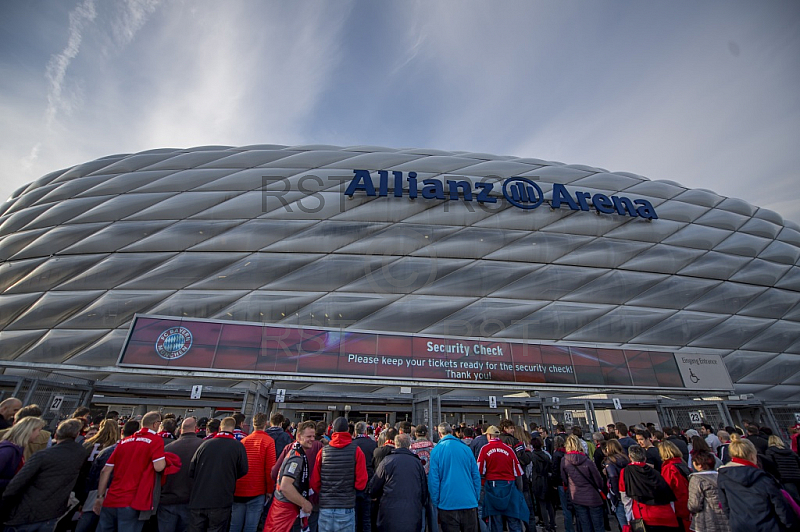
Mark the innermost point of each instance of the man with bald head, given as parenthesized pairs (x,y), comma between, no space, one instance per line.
(173,510)
(8,409)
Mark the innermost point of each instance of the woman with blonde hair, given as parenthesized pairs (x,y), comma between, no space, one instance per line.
(107,435)
(743,485)
(787,465)
(12,447)
(585,485)
(676,474)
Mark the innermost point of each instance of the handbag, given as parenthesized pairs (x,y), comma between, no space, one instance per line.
(637,525)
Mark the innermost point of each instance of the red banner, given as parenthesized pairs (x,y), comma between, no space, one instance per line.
(275,349)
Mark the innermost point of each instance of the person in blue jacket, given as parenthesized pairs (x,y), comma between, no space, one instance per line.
(454,483)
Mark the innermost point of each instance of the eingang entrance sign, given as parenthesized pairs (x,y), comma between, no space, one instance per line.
(272,349)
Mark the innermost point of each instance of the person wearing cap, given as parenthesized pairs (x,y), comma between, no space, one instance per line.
(454,483)
(502,472)
(339,473)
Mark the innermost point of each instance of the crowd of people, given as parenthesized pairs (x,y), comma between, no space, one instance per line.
(161,473)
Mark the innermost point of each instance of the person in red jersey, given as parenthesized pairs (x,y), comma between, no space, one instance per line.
(134,462)
(502,472)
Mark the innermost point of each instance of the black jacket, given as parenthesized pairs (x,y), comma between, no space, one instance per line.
(555,477)
(523,455)
(541,471)
(281,437)
(787,464)
(401,486)
(367,446)
(760,442)
(178,486)
(743,487)
(477,444)
(215,468)
(40,491)
(653,458)
(379,454)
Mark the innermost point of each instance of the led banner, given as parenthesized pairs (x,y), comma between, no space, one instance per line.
(174,343)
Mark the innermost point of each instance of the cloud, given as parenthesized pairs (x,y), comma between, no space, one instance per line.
(79,17)
(28,162)
(130,19)
(649,89)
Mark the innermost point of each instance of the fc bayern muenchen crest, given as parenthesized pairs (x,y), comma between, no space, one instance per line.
(174,343)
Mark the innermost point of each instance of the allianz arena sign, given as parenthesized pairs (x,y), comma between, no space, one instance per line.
(520,192)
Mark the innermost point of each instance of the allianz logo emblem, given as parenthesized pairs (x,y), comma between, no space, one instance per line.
(520,192)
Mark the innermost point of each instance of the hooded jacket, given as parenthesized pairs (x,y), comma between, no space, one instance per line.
(583,479)
(10,462)
(743,486)
(325,478)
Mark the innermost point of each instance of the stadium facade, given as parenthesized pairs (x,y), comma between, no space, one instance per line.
(408,242)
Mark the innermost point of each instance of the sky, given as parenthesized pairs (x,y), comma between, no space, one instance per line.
(706,94)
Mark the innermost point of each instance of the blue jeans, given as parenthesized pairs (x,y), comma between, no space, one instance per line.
(119,520)
(337,520)
(565,510)
(41,526)
(245,515)
(496,524)
(619,511)
(590,518)
(173,517)
(87,522)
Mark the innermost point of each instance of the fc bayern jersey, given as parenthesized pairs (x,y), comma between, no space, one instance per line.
(134,475)
(497,461)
